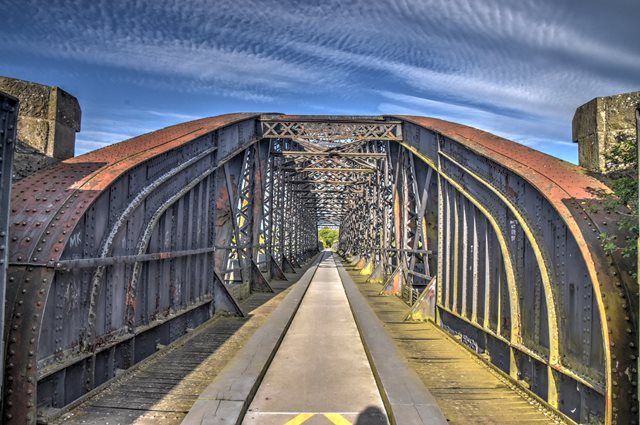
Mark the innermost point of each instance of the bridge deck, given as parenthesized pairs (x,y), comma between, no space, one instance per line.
(321,367)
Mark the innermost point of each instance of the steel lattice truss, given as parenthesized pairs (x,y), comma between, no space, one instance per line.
(341,130)
(127,248)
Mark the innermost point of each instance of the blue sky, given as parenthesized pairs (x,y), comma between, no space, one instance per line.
(517,68)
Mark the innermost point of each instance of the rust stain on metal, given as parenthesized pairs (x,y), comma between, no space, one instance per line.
(45,207)
(542,170)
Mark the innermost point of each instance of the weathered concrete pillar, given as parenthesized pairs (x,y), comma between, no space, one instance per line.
(600,124)
(49,117)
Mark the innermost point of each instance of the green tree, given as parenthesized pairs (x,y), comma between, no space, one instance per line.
(328,236)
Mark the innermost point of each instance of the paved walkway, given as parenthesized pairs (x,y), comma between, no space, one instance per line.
(320,374)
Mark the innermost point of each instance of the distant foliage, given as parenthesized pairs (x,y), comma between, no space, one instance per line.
(328,237)
(623,157)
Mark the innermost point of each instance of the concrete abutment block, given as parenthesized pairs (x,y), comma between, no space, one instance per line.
(48,121)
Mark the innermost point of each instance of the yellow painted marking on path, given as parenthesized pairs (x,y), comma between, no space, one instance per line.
(301,418)
(337,419)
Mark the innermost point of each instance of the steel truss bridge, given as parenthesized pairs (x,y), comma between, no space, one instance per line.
(118,252)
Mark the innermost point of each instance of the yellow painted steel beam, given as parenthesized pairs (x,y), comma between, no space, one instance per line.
(542,264)
(514,293)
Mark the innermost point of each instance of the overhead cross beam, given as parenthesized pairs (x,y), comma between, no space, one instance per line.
(331,154)
(331,134)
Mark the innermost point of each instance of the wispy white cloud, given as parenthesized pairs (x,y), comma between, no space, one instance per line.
(105,136)
(174,115)
(515,68)
(525,130)
(243,75)
(89,140)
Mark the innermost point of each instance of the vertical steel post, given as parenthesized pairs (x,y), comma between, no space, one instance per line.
(8,120)
(281,221)
(387,209)
(268,213)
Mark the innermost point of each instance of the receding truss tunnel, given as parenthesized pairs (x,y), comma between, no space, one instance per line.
(120,251)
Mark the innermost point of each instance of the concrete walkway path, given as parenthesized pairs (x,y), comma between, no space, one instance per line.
(320,374)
